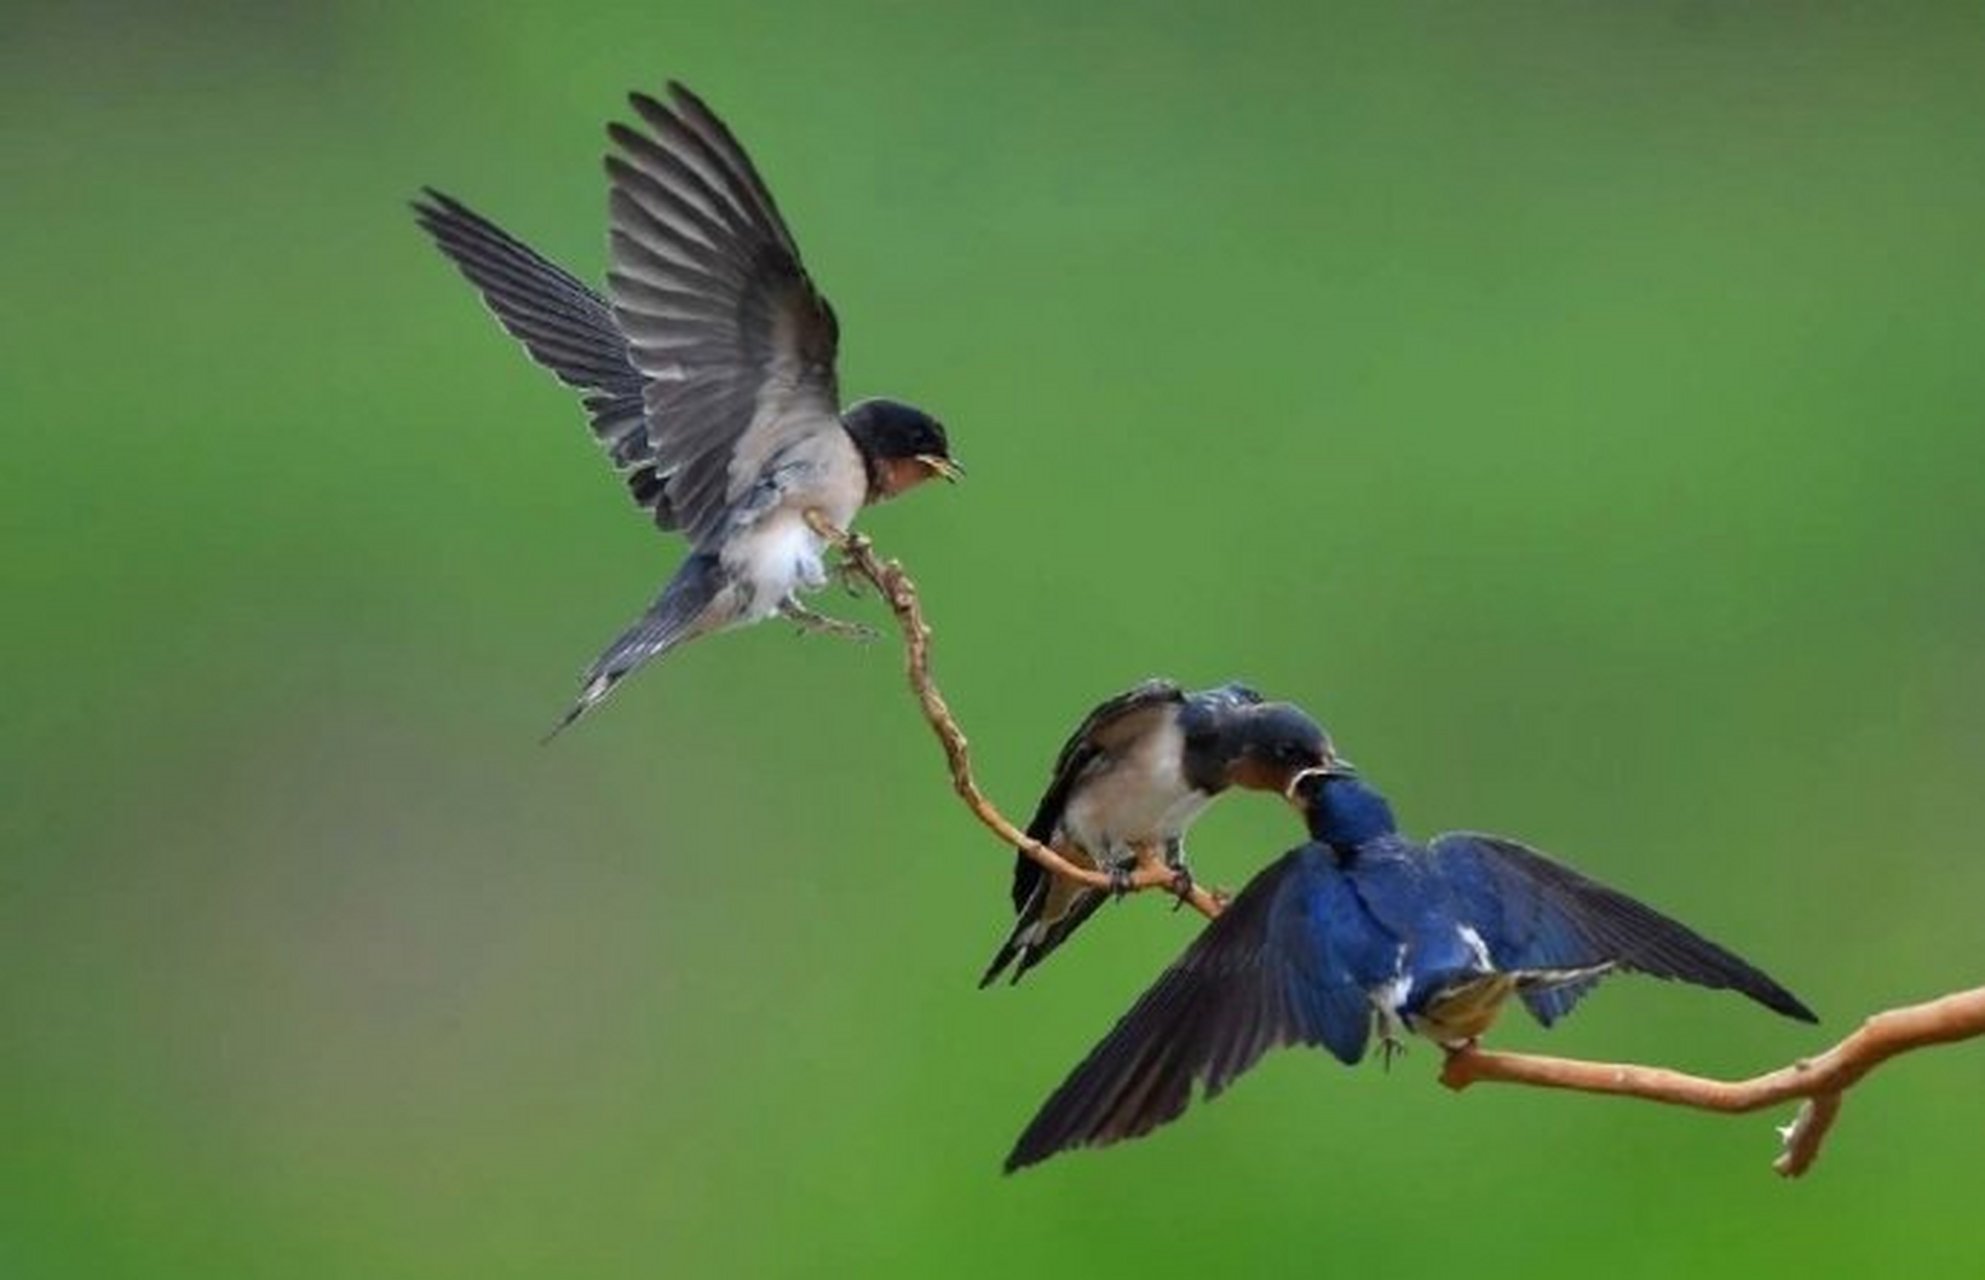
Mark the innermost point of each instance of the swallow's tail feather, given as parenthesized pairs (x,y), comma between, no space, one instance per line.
(687,607)
(1034,935)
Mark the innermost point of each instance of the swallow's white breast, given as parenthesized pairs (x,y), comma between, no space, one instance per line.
(1141,797)
(780,554)
(777,557)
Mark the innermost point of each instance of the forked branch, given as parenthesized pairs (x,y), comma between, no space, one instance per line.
(1819,1082)
(900,593)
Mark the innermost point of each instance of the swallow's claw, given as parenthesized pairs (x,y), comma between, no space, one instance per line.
(849,576)
(821,625)
(1120,880)
(1181,886)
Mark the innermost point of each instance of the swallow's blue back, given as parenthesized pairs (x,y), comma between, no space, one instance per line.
(1326,949)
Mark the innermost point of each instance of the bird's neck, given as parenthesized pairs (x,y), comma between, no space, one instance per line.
(871,462)
(1346,814)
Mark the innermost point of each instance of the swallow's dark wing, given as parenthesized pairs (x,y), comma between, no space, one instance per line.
(1113,725)
(721,318)
(1535,913)
(563,324)
(1269,970)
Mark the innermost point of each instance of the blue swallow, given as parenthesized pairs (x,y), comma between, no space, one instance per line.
(1134,775)
(708,373)
(1362,928)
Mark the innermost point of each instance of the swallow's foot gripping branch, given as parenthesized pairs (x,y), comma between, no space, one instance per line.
(819,624)
(1819,1082)
(900,594)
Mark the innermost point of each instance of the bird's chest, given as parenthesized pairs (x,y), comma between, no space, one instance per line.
(824,473)
(778,556)
(1140,796)
(779,553)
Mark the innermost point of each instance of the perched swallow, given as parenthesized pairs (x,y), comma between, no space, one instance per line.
(1134,776)
(708,373)
(1362,926)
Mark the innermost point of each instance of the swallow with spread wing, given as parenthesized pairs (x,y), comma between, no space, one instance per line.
(1363,927)
(708,373)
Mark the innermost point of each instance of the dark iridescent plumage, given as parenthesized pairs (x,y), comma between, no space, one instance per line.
(1362,926)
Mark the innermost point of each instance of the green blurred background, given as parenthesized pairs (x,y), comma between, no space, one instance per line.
(1577,406)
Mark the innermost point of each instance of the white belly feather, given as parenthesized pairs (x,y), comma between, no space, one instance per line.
(1142,798)
(782,555)
(779,554)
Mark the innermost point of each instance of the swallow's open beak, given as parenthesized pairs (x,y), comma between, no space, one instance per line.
(1297,779)
(950,468)
(1332,767)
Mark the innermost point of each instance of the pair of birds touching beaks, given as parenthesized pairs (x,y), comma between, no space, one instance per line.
(708,373)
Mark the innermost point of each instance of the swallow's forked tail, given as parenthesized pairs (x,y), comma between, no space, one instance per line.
(1033,937)
(680,613)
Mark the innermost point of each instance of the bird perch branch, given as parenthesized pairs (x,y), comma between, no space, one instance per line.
(900,593)
(1819,1082)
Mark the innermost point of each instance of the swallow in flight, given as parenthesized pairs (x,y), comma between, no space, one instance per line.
(708,373)
(1363,927)
(1134,776)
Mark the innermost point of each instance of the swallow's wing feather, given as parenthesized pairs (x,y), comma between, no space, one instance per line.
(563,324)
(1536,913)
(721,318)
(1111,726)
(1265,972)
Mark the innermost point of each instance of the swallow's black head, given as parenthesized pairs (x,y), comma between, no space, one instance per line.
(901,445)
(1273,744)
(1262,746)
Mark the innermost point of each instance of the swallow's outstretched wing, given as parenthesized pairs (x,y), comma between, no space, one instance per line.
(1265,972)
(564,326)
(1106,730)
(1536,913)
(735,343)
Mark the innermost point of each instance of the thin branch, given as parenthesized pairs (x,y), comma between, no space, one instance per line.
(1819,1082)
(900,593)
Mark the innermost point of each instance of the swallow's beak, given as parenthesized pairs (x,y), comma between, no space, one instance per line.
(1298,778)
(950,468)
(1332,767)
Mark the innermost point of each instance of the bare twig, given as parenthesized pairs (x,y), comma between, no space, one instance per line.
(900,593)
(1819,1082)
